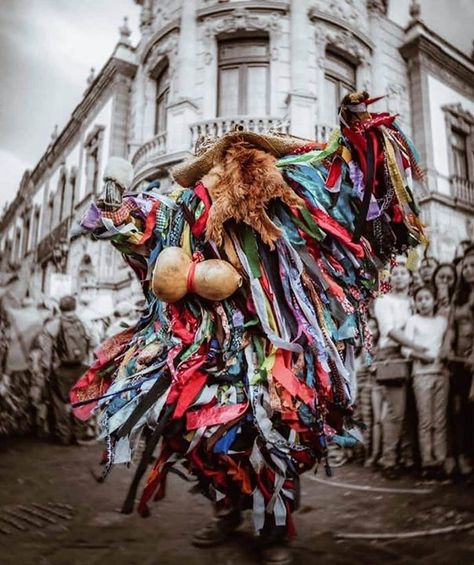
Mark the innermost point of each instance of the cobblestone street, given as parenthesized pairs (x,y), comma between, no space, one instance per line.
(52,512)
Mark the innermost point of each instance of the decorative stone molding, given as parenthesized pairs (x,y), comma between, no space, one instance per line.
(430,52)
(167,47)
(216,8)
(349,14)
(166,10)
(344,41)
(378,6)
(240,19)
(459,117)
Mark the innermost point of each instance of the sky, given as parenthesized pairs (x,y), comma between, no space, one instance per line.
(47,48)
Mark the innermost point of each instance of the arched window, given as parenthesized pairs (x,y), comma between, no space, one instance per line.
(26,236)
(36,225)
(17,250)
(61,193)
(339,80)
(73,182)
(162,96)
(244,74)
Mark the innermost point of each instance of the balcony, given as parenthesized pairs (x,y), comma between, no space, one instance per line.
(150,151)
(322,132)
(46,247)
(462,190)
(219,126)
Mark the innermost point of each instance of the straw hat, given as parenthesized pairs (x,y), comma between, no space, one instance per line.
(211,151)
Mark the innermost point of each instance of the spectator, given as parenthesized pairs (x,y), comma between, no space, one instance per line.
(416,279)
(392,312)
(427,268)
(42,350)
(443,282)
(429,381)
(71,350)
(458,353)
(20,324)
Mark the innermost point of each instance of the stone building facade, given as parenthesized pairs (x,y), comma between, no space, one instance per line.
(203,66)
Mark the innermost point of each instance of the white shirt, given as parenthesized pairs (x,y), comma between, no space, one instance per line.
(427,331)
(392,312)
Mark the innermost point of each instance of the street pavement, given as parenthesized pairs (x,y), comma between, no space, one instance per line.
(53,512)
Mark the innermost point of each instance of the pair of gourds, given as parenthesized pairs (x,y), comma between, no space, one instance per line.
(177,274)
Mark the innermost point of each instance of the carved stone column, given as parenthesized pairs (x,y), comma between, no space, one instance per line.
(377,11)
(301,102)
(182,111)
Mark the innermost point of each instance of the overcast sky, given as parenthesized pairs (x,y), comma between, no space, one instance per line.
(48,46)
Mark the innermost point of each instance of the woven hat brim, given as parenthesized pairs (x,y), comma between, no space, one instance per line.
(188,173)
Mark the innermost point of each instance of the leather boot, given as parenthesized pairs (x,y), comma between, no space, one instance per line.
(220,527)
(277,554)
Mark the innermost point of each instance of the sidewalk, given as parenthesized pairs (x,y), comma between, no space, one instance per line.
(85,527)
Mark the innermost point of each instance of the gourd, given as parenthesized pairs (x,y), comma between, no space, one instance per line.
(177,274)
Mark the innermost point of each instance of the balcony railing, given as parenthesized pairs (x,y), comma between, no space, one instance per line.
(47,245)
(150,150)
(322,132)
(219,126)
(462,190)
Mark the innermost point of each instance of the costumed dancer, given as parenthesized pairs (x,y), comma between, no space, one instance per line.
(258,277)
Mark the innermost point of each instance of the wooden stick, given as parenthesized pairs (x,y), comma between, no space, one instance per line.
(366,488)
(406,535)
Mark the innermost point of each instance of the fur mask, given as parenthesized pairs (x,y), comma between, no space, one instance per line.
(241,186)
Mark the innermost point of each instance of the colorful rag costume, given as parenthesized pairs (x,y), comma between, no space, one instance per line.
(249,390)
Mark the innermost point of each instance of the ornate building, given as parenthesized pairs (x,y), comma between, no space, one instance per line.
(202,66)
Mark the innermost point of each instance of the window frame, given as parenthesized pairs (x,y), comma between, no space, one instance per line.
(93,146)
(460,122)
(331,73)
(243,63)
(162,97)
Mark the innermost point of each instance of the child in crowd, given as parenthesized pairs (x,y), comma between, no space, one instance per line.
(429,380)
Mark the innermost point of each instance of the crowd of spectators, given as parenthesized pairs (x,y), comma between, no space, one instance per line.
(45,346)
(416,391)
(415,387)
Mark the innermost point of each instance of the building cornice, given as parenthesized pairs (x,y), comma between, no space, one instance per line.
(92,96)
(426,46)
(446,200)
(219,9)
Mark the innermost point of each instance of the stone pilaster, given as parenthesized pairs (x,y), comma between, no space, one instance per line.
(301,102)
(182,111)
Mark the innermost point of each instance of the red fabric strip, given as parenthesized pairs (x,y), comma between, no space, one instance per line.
(289,381)
(334,173)
(189,393)
(211,416)
(190,277)
(150,223)
(200,224)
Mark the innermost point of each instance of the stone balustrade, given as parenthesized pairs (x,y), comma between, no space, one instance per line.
(219,126)
(149,151)
(322,132)
(462,190)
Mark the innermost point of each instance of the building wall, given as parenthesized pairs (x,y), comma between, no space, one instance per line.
(186,35)
(440,95)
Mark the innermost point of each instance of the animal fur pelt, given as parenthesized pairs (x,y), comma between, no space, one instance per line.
(241,186)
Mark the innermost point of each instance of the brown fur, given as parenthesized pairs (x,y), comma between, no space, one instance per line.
(241,187)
